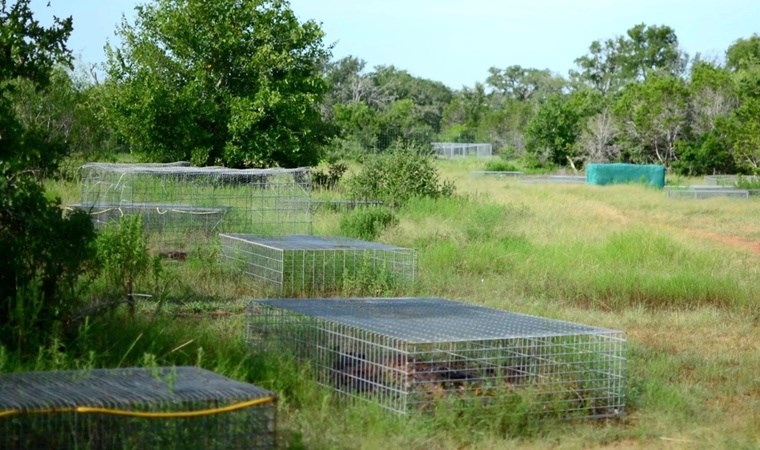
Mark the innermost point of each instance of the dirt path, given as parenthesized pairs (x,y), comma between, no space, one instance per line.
(734,241)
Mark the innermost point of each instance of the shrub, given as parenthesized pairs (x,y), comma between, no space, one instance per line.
(748,182)
(43,255)
(403,172)
(367,223)
(331,178)
(499,165)
(122,251)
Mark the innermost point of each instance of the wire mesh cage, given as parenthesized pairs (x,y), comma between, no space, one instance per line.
(309,264)
(182,204)
(700,192)
(461,149)
(156,408)
(408,354)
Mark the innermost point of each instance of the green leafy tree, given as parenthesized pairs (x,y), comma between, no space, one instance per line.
(613,63)
(557,125)
(744,53)
(743,127)
(43,253)
(522,84)
(653,117)
(712,98)
(233,82)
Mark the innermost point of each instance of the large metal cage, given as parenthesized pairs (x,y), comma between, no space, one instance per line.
(151,408)
(182,204)
(311,264)
(408,354)
(460,150)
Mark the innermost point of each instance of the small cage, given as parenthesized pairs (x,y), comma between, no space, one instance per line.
(407,354)
(182,204)
(159,408)
(460,150)
(309,264)
(555,179)
(699,192)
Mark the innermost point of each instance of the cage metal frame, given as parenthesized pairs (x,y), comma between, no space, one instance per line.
(450,150)
(159,407)
(703,192)
(407,354)
(316,264)
(182,204)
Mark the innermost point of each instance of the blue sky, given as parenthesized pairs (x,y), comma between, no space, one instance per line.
(456,41)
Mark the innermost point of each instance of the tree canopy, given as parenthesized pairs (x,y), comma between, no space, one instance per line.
(232,82)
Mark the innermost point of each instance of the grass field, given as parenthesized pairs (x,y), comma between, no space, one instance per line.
(680,277)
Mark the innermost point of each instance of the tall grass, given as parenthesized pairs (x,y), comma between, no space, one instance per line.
(679,277)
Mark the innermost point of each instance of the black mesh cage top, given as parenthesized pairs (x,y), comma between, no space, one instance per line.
(161,407)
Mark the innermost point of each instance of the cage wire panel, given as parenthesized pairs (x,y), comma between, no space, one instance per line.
(460,150)
(408,354)
(177,202)
(152,408)
(308,264)
(702,192)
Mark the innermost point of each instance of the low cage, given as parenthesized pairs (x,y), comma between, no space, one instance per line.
(701,192)
(410,354)
(152,408)
(309,264)
(181,204)
(462,149)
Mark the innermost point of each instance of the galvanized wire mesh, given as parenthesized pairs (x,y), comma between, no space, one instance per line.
(310,264)
(407,354)
(461,149)
(697,192)
(159,408)
(182,204)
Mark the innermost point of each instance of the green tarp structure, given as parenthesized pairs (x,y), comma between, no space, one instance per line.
(650,174)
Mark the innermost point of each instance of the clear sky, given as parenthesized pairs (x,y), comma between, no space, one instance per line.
(456,41)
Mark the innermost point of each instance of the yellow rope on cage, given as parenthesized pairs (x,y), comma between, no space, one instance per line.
(145,415)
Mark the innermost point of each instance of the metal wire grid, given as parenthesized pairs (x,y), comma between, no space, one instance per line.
(459,150)
(177,201)
(708,193)
(407,354)
(161,408)
(310,264)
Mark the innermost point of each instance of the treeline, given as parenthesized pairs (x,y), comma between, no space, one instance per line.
(632,98)
(202,83)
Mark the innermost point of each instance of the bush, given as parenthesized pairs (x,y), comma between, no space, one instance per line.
(367,223)
(43,256)
(403,172)
(748,182)
(122,251)
(499,165)
(331,178)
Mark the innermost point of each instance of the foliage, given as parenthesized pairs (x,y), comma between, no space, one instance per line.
(331,178)
(231,82)
(744,53)
(122,251)
(557,125)
(384,106)
(614,63)
(44,253)
(367,223)
(499,165)
(405,171)
(653,116)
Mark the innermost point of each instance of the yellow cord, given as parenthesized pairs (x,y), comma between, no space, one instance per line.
(145,415)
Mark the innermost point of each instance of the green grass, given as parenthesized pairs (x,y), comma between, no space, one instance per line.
(680,278)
